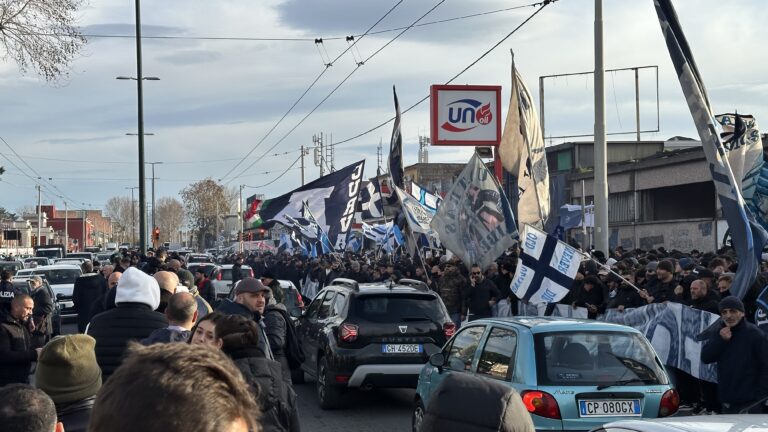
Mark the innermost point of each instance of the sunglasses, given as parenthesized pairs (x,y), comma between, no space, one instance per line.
(476,273)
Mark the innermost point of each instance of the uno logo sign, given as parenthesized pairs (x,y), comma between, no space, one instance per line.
(467,114)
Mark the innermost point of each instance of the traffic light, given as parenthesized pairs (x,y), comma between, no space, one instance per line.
(250,235)
(156,234)
(262,231)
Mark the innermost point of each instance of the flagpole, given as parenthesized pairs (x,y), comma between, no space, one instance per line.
(607,267)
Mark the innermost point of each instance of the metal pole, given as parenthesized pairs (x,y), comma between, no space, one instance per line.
(637,103)
(39,213)
(140,89)
(66,227)
(133,220)
(82,243)
(302,172)
(153,195)
(240,206)
(584,215)
(541,107)
(600,147)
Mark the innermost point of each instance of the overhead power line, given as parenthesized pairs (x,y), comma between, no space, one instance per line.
(278,177)
(311,85)
(360,64)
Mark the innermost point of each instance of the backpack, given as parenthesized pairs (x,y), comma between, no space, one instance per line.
(293,350)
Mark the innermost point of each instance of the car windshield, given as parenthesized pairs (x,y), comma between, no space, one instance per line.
(595,358)
(226,273)
(389,308)
(58,276)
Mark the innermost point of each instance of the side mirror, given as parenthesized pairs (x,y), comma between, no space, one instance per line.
(437,360)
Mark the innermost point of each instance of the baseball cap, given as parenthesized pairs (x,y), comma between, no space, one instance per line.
(251,285)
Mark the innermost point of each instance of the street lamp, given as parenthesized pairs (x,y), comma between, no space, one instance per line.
(153,191)
(140,88)
(133,216)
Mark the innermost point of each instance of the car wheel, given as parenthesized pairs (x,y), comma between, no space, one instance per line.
(297,376)
(328,395)
(417,419)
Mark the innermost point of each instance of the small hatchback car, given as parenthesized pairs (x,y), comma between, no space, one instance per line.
(571,374)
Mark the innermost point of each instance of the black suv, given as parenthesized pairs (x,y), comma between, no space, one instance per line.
(370,335)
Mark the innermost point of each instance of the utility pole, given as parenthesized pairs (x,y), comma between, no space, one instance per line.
(378,157)
(82,244)
(133,216)
(39,213)
(600,189)
(302,171)
(329,153)
(319,153)
(216,238)
(423,149)
(153,192)
(241,220)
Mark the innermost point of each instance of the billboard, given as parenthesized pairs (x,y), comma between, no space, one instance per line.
(468,115)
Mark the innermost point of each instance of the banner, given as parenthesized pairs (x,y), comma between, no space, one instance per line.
(747,236)
(371,203)
(522,153)
(395,162)
(417,215)
(332,198)
(429,200)
(570,216)
(475,221)
(546,269)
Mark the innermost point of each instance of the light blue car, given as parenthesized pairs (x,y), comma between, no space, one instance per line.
(571,374)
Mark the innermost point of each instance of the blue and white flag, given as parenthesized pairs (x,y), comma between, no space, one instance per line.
(546,269)
(429,200)
(747,236)
(570,216)
(475,220)
(417,216)
(320,234)
(371,202)
(376,233)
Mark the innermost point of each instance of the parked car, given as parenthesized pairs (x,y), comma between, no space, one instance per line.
(62,278)
(90,256)
(199,258)
(370,335)
(13,266)
(104,258)
(710,423)
(39,261)
(571,374)
(223,281)
(212,271)
(70,261)
(22,284)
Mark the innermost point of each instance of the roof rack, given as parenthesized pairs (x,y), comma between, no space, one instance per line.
(349,283)
(413,283)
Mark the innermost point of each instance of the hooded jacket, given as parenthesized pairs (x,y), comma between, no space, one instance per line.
(467,403)
(275,397)
(88,288)
(166,335)
(16,352)
(134,318)
(75,416)
(228,307)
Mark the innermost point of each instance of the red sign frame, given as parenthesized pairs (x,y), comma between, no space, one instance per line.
(433,126)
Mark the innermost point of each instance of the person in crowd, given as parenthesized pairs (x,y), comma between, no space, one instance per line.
(7,291)
(250,301)
(625,295)
(188,280)
(16,350)
(106,271)
(739,349)
(724,284)
(451,291)
(204,331)
(238,337)
(463,402)
(662,289)
(107,299)
(334,270)
(168,281)
(88,287)
(204,285)
(276,327)
(480,296)
(24,408)
(181,313)
(237,270)
(702,298)
(356,274)
(42,314)
(592,295)
(269,280)
(67,372)
(134,318)
(136,397)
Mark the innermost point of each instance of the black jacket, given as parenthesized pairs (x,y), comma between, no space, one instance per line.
(42,313)
(16,352)
(708,303)
(166,335)
(477,298)
(468,403)
(114,328)
(742,370)
(275,397)
(76,415)
(88,288)
(228,307)
(358,276)
(625,296)
(275,327)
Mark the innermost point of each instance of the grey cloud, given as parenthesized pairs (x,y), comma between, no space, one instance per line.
(190,57)
(120,29)
(66,141)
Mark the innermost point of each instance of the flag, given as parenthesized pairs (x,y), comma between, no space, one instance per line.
(286,244)
(320,234)
(371,232)
(546,269)
(395,162)
(570,216)
(331,198)
(417,215)
(747,236)
(522,153)
(475,221)
(371,202)
(429,200)
(313,251)
(252,218)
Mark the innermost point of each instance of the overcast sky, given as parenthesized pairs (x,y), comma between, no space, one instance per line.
(218,98)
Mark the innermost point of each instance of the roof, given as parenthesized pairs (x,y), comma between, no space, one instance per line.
(554,324)
(712,423)
(52,267)
(408,286)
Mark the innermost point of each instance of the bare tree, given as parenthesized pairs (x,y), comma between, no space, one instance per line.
(26,210)
(40,34)
(169,217)
(204,201)
(124,215)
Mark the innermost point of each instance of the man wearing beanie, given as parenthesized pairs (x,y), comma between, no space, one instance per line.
(740,350)
(137,295)
(662,289)
(67,372)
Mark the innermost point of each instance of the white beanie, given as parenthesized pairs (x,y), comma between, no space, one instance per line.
(135,286)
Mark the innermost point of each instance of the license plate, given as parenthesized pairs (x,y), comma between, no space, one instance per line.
(610,408)
(402,348)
